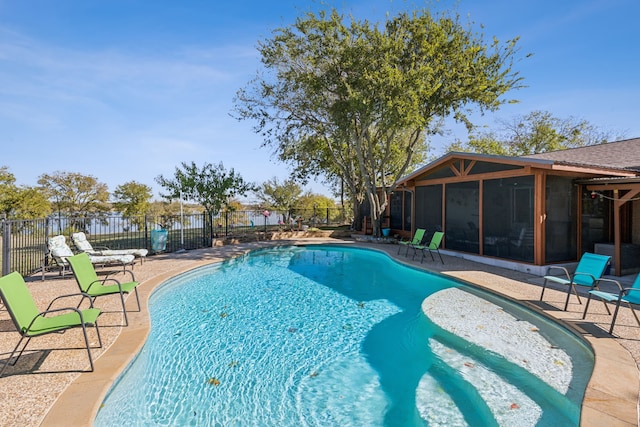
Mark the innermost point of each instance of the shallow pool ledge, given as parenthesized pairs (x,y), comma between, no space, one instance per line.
(612,394)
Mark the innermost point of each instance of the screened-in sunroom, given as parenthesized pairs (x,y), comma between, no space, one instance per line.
(526,209)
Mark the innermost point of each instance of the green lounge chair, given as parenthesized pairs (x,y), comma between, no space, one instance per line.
(89,283)
(630,296)
(588,272)
(417,239)
(433,245)
(30,322)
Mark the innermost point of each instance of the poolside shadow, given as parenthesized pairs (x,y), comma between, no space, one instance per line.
(6,325)
(589,328)
(28,363)
(542,305)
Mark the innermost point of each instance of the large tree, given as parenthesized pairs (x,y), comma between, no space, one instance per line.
(536,132)
(360,97)
(75,195)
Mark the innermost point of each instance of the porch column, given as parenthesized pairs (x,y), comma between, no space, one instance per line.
(617,233)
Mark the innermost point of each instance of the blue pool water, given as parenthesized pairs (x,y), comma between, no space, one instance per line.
(333,336)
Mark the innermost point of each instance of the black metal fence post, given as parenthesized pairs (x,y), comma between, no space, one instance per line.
(6,245)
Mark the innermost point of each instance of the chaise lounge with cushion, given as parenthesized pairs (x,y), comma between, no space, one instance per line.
(82,244)
(60,251)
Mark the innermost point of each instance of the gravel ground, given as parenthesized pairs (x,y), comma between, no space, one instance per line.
(49,365)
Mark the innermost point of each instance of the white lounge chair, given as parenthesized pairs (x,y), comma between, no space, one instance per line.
(60,251)
(83,245)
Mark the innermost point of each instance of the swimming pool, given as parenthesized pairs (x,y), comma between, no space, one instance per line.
(325,335)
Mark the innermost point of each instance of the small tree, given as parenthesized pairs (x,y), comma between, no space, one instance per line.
(212,186)
(165,214)
(318,204)
(132,200)
(279,196)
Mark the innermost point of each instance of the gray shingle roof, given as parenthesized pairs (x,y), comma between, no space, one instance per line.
(612,155)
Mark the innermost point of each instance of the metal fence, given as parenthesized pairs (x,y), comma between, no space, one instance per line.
(23,243)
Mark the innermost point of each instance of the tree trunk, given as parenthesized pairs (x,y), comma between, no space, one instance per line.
(357,217)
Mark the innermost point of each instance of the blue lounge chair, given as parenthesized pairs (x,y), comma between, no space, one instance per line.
(630,296)
(417,239)
(588,272)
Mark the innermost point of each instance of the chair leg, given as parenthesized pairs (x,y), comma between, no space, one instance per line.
(440,255)
(575,290)
(124,310)
(137,298)
(86,341)
(544,286)
(613,320)
(98,334)
(586,306)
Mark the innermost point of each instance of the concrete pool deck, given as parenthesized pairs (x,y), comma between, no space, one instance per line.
(40,390)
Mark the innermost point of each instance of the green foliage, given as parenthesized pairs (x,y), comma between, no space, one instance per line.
(356,100)
(210,186)
(21,202)
(132,200)
(537,132)
(74,194)
(309,200)
(164,214)
(279,196)
(29,203)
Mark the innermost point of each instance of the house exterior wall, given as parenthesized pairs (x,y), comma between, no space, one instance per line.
(528,209)
(635,227)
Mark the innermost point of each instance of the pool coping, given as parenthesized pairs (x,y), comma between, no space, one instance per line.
(611,397)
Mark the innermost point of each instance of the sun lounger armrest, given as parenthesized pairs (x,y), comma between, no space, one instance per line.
(100,282)
(603,280)
(627,291)
(117,282)
(56,310)
(77,294)
(555,267)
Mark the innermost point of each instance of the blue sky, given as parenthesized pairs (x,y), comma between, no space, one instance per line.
(125,90)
